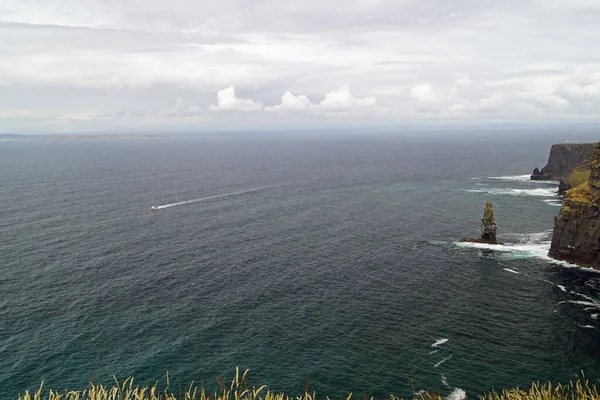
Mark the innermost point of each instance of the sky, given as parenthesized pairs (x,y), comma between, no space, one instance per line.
(184,65)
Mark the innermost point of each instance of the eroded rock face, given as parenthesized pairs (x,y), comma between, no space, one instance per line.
(576,236)
(563,159)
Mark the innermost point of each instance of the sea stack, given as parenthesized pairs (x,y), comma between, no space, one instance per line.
(488,227)
(576,236)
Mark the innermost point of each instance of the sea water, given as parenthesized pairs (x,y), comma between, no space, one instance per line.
(323,257)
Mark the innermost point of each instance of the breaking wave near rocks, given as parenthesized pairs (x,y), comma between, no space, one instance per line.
(517,186)
(537,192)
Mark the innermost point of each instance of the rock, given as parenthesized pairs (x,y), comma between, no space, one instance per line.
(488,227)
(536,175)
(576,235)
(563,187)
(564,157)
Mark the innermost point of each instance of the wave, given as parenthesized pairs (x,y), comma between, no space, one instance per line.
(512,271)
(519,178)
(581,295)
(441,362)
(529,246)
(561,287)
(444,380)
(581,303)
(553,202)
(587,326)
(457,394)
(439,342)
(537,192)
(218,196)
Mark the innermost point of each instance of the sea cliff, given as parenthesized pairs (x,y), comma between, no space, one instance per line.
(576,236)
(564,158)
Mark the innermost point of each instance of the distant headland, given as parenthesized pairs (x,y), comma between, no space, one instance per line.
(130,136)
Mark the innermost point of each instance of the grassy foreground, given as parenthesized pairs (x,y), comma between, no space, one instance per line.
(239,390)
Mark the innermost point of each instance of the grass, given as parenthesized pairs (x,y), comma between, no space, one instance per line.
(578,177)
(582,194)
(580,388)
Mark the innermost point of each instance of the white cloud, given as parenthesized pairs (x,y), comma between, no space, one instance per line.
(342,99)
(228,100)
(425,93)
(290,102)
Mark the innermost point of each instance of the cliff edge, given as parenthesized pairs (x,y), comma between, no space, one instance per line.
(564,158)
(576,236)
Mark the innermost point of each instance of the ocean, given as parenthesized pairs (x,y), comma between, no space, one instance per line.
(323,257)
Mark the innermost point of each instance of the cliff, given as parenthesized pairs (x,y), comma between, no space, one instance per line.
(576,236)
(564,158)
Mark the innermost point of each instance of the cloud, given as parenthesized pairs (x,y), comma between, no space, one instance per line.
(407,61)
(342,99)
(227,100)
(426,98)
(290,102)
(424,93)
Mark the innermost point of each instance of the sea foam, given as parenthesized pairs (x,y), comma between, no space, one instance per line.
(537,192)
(457,394)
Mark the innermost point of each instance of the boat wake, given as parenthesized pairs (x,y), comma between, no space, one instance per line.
(218,196)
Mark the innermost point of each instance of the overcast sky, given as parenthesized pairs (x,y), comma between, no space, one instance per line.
(84,65)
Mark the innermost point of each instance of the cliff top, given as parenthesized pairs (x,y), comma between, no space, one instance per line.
(588,192)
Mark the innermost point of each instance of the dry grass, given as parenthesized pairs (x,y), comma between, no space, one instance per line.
(582,194)
(239,390)
(578,389)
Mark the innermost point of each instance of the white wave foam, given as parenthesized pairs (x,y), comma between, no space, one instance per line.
(457,394)
(537,192)
(444,380)
(512,271)
(561,287)
(582,295)
(553,202)
(527,249)
(519,178)
(594,316)
(438,242)
(587,326)
(582,303)
(441,362)
(218,196)
(433,352)
(439,342)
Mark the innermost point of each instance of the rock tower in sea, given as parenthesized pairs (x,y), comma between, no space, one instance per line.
(488,227)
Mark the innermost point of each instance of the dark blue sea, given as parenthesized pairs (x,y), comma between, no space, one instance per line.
(327,257)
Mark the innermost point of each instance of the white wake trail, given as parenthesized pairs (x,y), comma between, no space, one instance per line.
(217,196)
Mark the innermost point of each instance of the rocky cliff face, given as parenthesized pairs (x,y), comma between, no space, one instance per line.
(563,159)
(576,236)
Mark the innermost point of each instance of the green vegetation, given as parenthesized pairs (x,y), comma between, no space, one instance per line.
(580,388)
(583,194)
(580,174)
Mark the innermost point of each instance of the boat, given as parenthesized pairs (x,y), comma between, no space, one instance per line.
(154,208)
